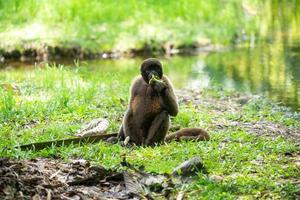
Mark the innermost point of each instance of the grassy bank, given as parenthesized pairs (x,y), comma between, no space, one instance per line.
(112,25)
(54,102)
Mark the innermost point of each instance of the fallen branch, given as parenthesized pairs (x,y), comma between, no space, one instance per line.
(63,142)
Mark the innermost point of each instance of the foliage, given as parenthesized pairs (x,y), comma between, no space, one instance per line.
(106,25)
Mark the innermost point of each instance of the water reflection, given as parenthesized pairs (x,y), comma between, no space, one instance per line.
(267,69)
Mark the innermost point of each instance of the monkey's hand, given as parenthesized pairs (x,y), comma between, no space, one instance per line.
(157,84)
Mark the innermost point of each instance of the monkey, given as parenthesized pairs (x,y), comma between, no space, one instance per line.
(152,102)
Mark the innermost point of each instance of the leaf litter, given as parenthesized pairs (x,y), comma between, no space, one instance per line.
(44,178)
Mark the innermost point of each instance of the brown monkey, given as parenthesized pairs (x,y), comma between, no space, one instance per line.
(146,120)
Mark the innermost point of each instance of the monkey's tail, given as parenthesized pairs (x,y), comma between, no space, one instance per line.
(197,134)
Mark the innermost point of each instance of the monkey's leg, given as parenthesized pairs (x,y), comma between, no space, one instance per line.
(131,128)
(158,129)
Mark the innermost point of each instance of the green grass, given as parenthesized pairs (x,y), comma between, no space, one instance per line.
(117,25)
(54,102)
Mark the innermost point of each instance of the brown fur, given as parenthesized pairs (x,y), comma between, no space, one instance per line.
(146,120)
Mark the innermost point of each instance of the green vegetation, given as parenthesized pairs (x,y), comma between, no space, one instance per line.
(54,101)
(245,158)
(117,25)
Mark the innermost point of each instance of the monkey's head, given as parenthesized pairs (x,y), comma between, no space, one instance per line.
(149,67)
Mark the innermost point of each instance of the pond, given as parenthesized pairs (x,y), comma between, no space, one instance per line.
(269,70)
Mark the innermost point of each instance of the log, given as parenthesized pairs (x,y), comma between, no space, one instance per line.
(64,142)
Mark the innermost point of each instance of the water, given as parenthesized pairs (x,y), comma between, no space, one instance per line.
(272,70)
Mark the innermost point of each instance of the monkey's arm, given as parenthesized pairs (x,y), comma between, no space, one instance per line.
(168,98)
(133,93)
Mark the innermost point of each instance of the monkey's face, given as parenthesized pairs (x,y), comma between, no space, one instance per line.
(149,67)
